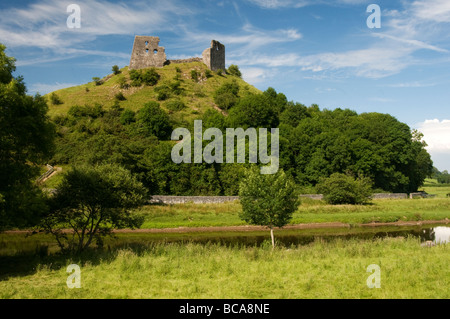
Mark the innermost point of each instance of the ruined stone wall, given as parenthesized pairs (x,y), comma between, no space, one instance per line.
(185,60)
(147,53)
(214,57)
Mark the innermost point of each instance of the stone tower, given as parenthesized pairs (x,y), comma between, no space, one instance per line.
(146,53)
(214,57)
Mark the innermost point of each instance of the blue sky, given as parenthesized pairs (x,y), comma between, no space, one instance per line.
(318,52)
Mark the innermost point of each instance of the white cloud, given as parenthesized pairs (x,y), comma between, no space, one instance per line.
(43,25)
(433,10)
(436,135)
(44,88)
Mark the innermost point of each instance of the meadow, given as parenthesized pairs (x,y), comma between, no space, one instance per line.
(185,265)
(336,269)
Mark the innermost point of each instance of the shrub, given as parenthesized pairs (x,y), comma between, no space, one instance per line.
(127,117)
(97,80)
(116,70)
(226,96)
(194,75)
(123,84)
(154,120)
(345,189)
(234,70)
(208,74)
(219,72)
(148,77)
(55,99)
(175,105)
(163,92)
(120,97)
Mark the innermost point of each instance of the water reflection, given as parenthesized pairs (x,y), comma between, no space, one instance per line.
(441,234)
(304,237)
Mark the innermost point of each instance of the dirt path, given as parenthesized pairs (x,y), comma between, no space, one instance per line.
(261,228)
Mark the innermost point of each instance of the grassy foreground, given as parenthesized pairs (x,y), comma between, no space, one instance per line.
(334,269)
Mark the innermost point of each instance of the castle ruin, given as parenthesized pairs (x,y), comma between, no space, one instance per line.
(147,53)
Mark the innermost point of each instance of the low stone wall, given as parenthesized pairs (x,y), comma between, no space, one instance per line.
(192,199)
(389,196)
(162,199)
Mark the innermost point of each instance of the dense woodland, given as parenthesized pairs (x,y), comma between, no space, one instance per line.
(314,143)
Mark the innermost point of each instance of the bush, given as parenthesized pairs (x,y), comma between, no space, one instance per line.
(86,111)
(148,77)
(120,97)
(345,189)
(116,70)
(175,105)
(123,84)
(127,117)
(154,120)
(234,70)
(55,99)
(219,72)
(226,96)
(163,92)
(208,74)
(194,75)
(97,80)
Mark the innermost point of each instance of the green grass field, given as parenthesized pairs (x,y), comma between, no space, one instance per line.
(334,269)
(310,211)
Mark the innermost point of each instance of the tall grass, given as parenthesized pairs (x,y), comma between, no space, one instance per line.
(334,269)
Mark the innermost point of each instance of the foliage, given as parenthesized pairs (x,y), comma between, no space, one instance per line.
(154,120)
(97,80)
(26,141)
(175,105)
(234,70)
(255,110)
(267,200)
(127,117)
(194,75)
(55,99)
(226,96)
(345,189)
(116,70)
(91,201)
(147,77)
(120,97)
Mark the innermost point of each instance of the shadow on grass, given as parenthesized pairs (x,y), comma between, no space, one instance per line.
(25,263)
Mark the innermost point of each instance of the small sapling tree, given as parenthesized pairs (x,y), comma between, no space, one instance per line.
(268,200)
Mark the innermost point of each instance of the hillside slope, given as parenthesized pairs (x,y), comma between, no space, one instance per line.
(198,95)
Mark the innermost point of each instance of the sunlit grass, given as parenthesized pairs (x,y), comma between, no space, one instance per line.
(334,269)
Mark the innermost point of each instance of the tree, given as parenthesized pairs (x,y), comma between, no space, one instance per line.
(26,141)
(345,189)
(234,70)
(267,200)
(154,120)
(91,201)
(116,70)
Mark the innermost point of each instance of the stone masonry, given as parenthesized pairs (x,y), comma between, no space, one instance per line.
(214,57)
(147,53)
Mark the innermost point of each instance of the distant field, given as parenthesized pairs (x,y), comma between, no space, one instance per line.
(310,211)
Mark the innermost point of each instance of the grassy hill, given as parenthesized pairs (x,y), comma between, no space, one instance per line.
(196,95)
